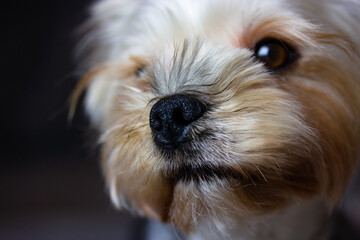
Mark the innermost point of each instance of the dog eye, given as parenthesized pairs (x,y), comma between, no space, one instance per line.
(275,54)
(140,71)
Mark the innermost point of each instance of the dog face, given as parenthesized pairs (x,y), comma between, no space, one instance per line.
(223,109)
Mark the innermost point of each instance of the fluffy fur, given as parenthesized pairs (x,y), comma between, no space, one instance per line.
(279,147)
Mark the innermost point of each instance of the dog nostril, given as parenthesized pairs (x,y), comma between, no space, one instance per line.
(188,112)
(155,123)
(192,114)
(171,116)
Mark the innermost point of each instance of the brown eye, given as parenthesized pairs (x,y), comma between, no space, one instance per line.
(139,65)
(275,54)
(140,71)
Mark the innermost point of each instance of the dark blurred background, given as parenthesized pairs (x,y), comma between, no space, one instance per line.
(51,186)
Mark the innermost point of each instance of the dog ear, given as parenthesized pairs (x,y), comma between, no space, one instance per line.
(102,45)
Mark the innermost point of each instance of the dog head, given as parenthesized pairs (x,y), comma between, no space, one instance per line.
(220,109)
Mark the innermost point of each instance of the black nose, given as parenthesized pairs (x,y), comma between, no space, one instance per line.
(171,117)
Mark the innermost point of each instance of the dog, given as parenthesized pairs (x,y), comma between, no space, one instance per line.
(229,119)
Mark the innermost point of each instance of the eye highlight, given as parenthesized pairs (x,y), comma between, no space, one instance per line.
(275,54)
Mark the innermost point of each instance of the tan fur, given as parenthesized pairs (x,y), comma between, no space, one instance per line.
(288,136)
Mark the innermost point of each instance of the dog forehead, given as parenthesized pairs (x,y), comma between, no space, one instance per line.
(163,23)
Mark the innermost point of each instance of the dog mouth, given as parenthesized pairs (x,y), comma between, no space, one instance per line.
(193,164)
(203,174)
(198,160)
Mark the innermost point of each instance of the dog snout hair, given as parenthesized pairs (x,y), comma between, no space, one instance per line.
(171,119)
